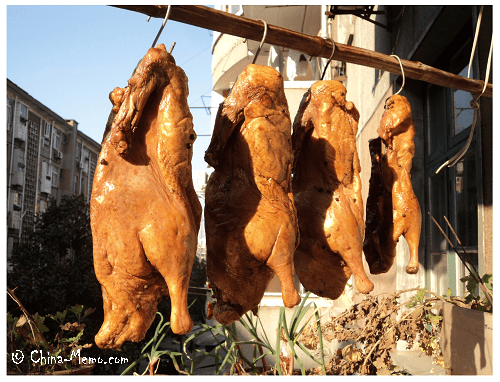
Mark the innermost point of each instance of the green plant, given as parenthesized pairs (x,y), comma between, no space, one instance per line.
(229,351)
(424,309)
(374,325)
(474,282)
(153,355)
(287,337)
(28,334)
(52,267)
(476,296)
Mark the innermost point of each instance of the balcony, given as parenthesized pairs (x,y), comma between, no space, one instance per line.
(230,56)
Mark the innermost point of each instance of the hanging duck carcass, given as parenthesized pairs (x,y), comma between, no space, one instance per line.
(250,217)
(327,192)
(392,209)
(145,214)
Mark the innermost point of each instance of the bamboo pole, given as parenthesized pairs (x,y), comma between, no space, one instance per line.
(240,26)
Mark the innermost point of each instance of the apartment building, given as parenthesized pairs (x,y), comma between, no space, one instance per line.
(47,157)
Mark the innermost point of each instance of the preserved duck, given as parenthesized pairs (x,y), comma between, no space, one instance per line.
(392,207)
(250,217)
(145,214)
(327,192)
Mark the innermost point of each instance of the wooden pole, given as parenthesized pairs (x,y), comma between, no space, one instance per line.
(240,26)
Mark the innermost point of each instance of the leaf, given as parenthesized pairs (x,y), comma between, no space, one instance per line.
(72,326)
(449,293)
(59,316)
(77,310)
(88,312)
(39,322)
(467,278)
(487,277)
(420,295)
(73,339)
(379,363)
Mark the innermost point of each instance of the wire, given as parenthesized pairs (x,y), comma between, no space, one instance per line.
(196,55)
(474,102)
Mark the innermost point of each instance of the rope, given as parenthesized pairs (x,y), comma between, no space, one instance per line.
(474,102)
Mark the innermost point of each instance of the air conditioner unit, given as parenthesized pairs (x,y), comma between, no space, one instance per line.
(78,164)
(57,154)
(23,119)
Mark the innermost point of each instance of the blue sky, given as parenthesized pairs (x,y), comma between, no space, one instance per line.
(71,57)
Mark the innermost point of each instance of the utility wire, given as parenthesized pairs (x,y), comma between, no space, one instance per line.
(196,55)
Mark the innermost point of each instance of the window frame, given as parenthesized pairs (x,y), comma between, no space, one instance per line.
(23,112)
(46,129)
(453,142)
(9,114)
(56,139)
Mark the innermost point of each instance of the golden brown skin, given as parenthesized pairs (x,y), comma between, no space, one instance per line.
(145,214)
(327,192)
(250,218)
(394,205)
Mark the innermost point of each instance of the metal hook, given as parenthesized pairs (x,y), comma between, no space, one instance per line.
(262,42)
(403,73)
(162,26)
(330,59)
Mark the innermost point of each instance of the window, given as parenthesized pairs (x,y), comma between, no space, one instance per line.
(56,139)
(84,187)
(24,112)
(54,177)
(453,192)
(17,199)
(19,157)
(9,118)
(46,129)
(75,186)
(234,9)
(85,153)
(42,206)
(79,150)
